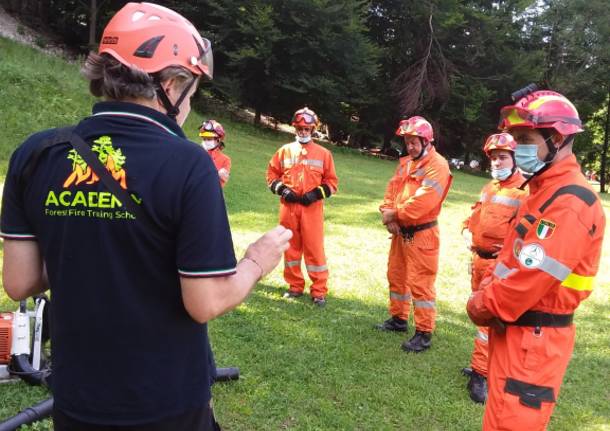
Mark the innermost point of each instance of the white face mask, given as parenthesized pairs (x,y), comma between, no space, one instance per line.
(501,174)
(209,144)
(303,139)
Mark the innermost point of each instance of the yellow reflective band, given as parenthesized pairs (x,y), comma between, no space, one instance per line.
(578,282)
(550,98)
(322,190)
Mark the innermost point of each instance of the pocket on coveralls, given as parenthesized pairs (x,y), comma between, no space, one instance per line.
(525,406)
(316,173)
(533,348)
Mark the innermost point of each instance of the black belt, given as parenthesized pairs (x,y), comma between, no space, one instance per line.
(408,232)
(540,319)
(485,254)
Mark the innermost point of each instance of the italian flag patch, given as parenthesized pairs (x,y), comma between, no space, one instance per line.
(545,229)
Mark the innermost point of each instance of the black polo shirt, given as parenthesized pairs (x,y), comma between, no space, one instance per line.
(125,351)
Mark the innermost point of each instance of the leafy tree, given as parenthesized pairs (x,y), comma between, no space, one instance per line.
(277,56)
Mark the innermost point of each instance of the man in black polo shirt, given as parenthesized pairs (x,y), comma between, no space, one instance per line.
(130,299)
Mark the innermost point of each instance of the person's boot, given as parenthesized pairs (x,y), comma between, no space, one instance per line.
(290,294)
(320,302)
(477,387)
(418,343)
(393,324)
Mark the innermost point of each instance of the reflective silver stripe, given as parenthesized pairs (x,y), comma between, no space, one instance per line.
(554,268)
(481,336)
(505,200)
(290,263)
(288,163)
(434,184)
(483,197)
(502,271)
(316,268)
(313,162)
(419,172)
(399,297)
(424,304)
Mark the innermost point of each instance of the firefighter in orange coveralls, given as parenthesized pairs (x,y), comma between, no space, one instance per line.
(544,270)
(485,231)
(303,174)
(212,134)
(410,208)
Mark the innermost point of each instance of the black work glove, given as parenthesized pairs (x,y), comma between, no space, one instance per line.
(284,191)
(310,197)
(289,195)
(316,194)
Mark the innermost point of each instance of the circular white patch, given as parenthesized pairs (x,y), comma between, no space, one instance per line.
(531,255)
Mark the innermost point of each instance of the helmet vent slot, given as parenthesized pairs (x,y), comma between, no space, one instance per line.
(137,15)
(147,49)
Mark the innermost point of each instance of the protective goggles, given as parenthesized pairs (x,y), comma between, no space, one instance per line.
(518,117)
(408,128)
(208,126)
(305,117)
(205,62)
(208,129)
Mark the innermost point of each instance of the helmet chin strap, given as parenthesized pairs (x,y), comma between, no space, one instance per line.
(172,109)
(424,146)
(514,168)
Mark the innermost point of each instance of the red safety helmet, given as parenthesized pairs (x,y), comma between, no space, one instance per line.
(212,129)
(153,37)
(416,126)
(500,141)
(305,117)
(540,110)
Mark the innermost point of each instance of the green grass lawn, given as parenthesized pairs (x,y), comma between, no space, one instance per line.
(304,368)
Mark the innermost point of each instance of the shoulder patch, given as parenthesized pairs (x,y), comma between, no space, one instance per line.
(545,229)
(531,255)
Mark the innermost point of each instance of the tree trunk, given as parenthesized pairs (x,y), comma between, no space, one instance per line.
(92,24)
(42,11)
(602,170)
(257,117)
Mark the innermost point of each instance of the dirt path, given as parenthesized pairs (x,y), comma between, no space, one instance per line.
(12,29)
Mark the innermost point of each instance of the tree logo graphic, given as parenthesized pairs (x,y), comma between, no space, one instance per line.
(112,159)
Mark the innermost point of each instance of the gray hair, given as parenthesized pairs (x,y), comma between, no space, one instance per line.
(112,80)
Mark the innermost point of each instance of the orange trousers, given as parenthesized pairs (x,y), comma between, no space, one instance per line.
(412,268)
(526,369)
(480,352)
(307,225)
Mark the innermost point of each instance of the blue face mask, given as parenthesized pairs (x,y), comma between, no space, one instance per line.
(527,159)
(303,139)
(501,174)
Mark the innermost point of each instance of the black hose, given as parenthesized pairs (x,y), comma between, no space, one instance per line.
(31,414)
(227,374)
(20,366)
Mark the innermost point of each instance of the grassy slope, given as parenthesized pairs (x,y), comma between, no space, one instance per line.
(304,368)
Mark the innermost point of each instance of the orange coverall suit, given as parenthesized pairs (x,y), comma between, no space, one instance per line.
(416,191)
(489,224)
(221,161)
(303,167)
(545,269)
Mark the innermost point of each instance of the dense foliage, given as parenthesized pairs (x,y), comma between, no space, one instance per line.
(362,65)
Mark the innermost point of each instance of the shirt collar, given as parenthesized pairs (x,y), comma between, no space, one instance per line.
(138,112)
(557,169)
